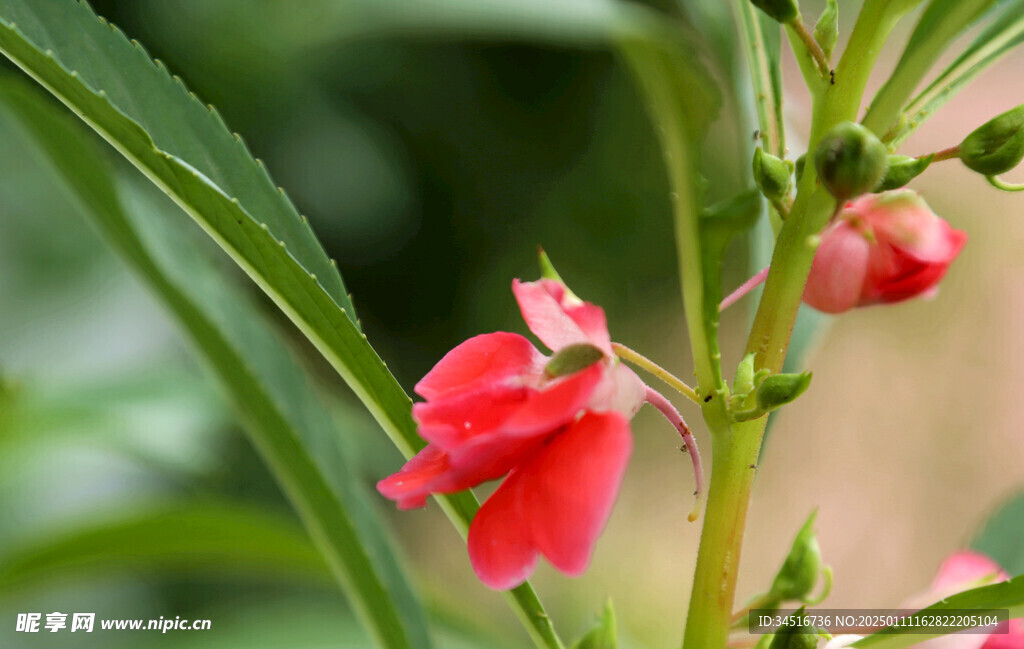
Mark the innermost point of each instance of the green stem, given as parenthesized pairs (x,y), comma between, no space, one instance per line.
(641,361)
(736,447)
(733,465)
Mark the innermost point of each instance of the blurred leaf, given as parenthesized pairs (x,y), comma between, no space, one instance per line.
(201,538)
(1000,538)
(682,100)
(187,152)
(567,21)
(286,423)
(1004,33)
(154,121)
(1005,595)
(941,22)
(604,634)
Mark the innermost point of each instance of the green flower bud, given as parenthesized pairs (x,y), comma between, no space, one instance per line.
(997,145)
(826,31)
(572,359)
(773,176)
(850,160)
(800,167)
(902,169)
(783,11)
(743,381)
(779,389)
(792,636)
(799,572)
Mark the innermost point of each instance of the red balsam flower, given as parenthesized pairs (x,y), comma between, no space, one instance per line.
(882,248)
(493,408)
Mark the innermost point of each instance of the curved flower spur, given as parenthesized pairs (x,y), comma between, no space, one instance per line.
(557,427)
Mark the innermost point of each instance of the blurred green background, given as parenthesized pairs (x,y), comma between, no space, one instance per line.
(433,153)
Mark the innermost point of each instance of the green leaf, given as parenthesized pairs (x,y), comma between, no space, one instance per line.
(152,118)
(199,538)
(604,634)
(1004,595)
(681,102)
(941,22)
(1005,32)
(288,425)
(115,88)
(1000,537)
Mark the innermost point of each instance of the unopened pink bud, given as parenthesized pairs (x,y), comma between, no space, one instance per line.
(882,248)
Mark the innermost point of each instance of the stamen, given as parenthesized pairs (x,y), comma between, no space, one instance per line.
(744,288)
(666,408)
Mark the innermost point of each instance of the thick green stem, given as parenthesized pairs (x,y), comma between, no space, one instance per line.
(735,447)
(734,463)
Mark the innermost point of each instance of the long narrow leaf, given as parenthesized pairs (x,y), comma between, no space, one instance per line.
(199,537)
(1007,595)
(941,22)
(1004,33)
(89,65)
(290,428)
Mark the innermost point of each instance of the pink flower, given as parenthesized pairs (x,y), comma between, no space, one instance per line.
(882,248)
(493,409)
(959,572)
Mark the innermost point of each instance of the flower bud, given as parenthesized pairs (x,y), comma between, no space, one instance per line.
(850,160)
(902,169)
(826,31)
(793,636)
(783,11)
(572,359)
(773,176)
(799,572)
(997,145)
(779,389)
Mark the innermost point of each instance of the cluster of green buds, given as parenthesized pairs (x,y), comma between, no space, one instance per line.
(755,394)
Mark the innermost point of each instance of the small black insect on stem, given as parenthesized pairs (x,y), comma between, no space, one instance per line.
(707,398)
(832,77)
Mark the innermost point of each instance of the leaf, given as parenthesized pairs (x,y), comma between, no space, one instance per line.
(194,537)
(604,634)
(1005,32)
(1004,595)
(285,421)
(1000,537)
(681,101)
(184,149)
(941,22)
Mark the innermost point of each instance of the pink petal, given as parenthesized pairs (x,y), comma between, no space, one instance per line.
(567,492)
(558,320)
(486,359)
(837,274)
(963,570)
(1013,639)
(500,549)
(505,412)
(411,486)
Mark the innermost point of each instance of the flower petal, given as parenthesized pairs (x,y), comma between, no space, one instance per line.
(962,570)
(507,413)
(567,492)
(488,359)
(558,320)
(410,487)
(837,274)
(500,549)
